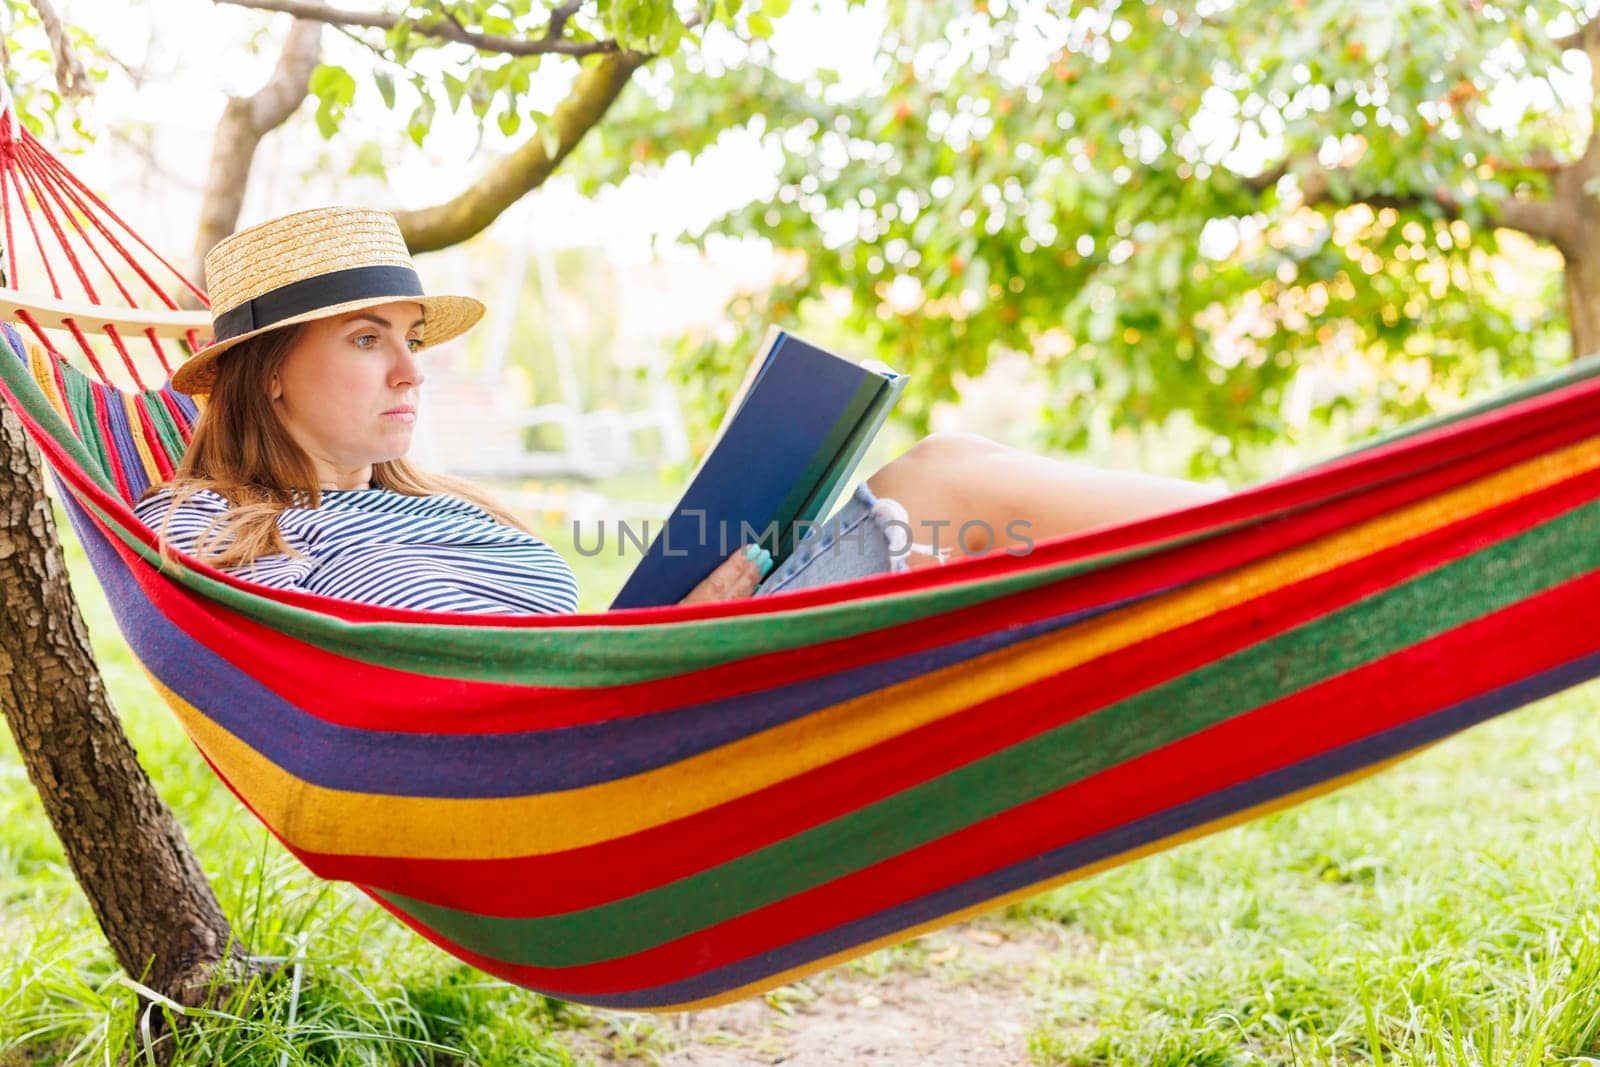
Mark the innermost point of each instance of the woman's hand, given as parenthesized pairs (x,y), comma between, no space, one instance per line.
(735,577)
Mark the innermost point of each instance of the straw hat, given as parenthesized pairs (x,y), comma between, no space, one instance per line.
(310,265)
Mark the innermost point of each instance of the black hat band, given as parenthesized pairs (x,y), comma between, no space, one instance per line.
(311,294)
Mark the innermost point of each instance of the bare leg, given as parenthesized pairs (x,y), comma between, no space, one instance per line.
(1004,496)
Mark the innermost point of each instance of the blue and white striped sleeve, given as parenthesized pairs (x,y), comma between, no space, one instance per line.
(183,526)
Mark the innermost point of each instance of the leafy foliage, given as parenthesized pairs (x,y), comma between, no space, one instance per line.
(1170,207)
(500,85)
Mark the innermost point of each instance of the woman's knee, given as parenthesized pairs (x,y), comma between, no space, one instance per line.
(941,461)
(945,449)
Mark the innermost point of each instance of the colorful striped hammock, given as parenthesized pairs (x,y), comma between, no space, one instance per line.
(675,807)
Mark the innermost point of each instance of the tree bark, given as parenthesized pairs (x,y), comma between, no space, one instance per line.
(1578,241)
(137,870)
(1582,277)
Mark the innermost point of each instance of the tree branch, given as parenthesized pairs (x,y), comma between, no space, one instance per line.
(550,42)
(1260,183)
(284,91)
(71,79)
(1573,40)
(559,17)
(1548,220)
(593,93)
(1543,162)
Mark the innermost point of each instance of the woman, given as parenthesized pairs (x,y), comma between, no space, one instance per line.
(297,478)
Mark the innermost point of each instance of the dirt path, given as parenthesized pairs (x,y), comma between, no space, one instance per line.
(957,997)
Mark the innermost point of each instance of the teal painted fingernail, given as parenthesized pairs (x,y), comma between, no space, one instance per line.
(766,562)
(751,551)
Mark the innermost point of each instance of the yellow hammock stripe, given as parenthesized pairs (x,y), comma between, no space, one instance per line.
(42,365)
(136,430)
(333,821)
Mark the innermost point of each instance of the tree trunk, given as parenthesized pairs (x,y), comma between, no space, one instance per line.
(136,868)
(1582,276)
(245,121)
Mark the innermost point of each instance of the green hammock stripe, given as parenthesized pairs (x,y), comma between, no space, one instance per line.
(19,379)
(166,426)
(608,655)
(80,397)
(1565,547)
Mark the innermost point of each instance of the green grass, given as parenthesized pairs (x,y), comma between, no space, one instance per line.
(1445,912)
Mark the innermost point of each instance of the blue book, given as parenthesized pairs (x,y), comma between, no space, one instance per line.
(796,429)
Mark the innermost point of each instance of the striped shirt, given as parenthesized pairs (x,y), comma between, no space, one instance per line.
(433,553)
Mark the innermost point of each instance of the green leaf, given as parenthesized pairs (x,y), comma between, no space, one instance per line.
(334,89)
(454,87)
(385,82)
(332,81)
(368,161)
(510,122)
(760,26)
(421,120)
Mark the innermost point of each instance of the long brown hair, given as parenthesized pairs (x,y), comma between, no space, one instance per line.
(242,451)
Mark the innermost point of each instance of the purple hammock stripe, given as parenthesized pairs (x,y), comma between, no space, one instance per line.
(124,452)
(186,405)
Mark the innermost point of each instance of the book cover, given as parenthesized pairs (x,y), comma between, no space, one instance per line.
(794,432)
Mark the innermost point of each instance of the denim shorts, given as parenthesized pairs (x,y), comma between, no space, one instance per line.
(862,538)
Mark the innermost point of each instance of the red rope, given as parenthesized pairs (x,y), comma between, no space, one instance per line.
(42,204)
(54,188)
(33,324)
(36,180)
(54,169)
(57,362)
(152,439)
(25,161)
(127,357)
(161,351)
(179,418)
(10,172)
(6,147)
(102,420)
(73,181)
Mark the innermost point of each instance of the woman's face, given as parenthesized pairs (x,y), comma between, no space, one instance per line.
(347,392)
